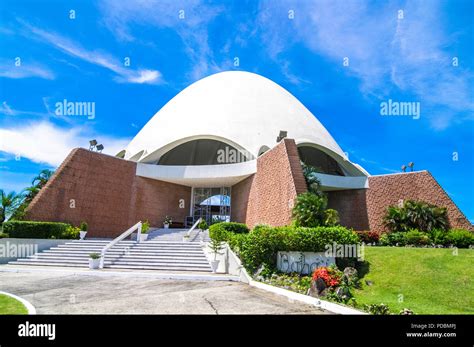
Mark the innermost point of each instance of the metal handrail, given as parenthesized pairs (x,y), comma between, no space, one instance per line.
(188,234)
(119,238)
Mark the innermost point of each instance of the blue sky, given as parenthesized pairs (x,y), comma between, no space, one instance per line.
(411,51)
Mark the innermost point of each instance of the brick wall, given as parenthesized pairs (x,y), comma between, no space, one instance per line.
(105,192)
(351,206)
(153,200)
(387,190)
(268,195)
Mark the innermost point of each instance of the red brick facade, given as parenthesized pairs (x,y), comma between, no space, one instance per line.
(105,192)
(268,196)
(387,190)
(364,209)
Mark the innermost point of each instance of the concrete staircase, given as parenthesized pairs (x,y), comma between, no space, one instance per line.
(147,255)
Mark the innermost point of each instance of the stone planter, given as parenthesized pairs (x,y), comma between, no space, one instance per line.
(94,263)
(82,234)
(166,225)
(143,237)
(214,265)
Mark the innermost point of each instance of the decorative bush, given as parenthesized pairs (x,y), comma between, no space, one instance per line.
(309,210)
(83,226)
(217,232)
(417,238)
(416,215)
(460,238)
(236,228)
(40,230)
(438,236)
(145,227)
(393,239)
(377,309)
(368,236)
(3,235)
(330,275)
(260,246)
(203,225)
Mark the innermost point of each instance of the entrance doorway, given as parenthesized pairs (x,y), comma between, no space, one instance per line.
(211,204)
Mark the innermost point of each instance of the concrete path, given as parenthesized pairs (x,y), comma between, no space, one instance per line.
(60,293)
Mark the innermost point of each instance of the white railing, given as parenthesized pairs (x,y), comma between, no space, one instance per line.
(188,234)
(112,243)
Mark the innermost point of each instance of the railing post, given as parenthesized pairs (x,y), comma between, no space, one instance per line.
(139,233)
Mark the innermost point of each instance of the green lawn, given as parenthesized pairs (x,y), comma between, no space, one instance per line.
(430,280)
(8,305)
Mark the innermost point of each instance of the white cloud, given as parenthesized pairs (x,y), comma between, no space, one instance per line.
(101,59)
(44,142)
(386,53)
(119,16)
(25,70)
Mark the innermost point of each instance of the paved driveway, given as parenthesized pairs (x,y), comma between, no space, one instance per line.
(62,293)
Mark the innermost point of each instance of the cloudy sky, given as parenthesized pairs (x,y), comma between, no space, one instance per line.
(341,59)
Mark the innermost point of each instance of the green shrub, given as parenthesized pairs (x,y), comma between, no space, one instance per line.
(438,236)
(203,225)
(393,239)
(416,237)
(145,227)
(416,215)
(460,238)
(331,217)
(236,228)
(71,232)
(83,226)
(217,232)
(3,235)
(261,245)
(377,309)
(38,230)
(309,210)
(368,236)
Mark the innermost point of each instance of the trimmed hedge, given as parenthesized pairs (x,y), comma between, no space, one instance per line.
(236,228)
(460,238)
(40,230)
(260,246)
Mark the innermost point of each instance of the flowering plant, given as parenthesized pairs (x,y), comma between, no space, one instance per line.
(330,275)
(168,220)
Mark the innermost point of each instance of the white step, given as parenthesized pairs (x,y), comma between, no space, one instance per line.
(147,255)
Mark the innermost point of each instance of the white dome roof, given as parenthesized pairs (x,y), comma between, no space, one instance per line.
(243,109)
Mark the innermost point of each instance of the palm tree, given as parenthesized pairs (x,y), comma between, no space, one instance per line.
(42,178)
(8,204)
(30,192)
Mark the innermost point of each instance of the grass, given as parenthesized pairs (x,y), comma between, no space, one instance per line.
(8,305)
(425,280)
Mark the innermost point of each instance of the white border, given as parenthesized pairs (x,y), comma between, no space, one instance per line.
(29,307)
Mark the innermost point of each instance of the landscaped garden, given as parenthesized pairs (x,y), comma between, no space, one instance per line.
(9,305)
(419,266)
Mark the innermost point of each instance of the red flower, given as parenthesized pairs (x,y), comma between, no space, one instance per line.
(328,275)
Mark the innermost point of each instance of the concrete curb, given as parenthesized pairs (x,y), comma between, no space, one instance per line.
(29,307)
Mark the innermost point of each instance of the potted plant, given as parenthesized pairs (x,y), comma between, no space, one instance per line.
(83,230)
(203,225)
(167,222)
(216,246)
(145,230)
(94,260)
